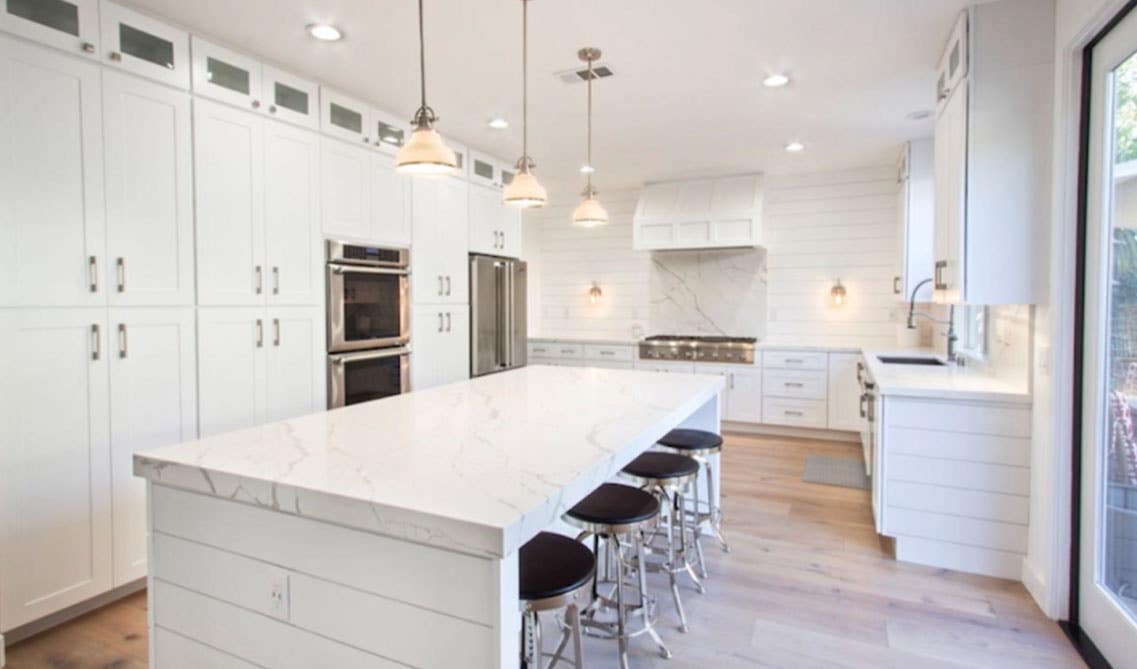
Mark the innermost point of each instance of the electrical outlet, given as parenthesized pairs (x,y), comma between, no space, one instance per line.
(278,596)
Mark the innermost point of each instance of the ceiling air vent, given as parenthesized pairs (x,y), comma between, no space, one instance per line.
(578,75)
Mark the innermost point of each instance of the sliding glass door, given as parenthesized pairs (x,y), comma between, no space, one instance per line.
(1107,582)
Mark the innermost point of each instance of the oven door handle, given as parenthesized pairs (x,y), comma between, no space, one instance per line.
(341,358)
(360,269)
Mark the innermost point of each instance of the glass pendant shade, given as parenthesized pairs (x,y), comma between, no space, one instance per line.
(425,154)
(589,213)
(524,192)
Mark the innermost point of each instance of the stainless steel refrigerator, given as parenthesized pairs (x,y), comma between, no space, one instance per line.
(498,331)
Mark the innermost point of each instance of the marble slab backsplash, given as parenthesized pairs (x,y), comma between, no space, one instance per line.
(719,292)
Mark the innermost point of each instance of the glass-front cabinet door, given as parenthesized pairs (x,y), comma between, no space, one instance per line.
(344,117)
(140,45)
(484,170)
(71,25)
(390,132)
(226,76)
(463,156)
(290,98)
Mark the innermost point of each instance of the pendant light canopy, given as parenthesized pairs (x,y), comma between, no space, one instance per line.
(524,192)
(425,153)
(589,213)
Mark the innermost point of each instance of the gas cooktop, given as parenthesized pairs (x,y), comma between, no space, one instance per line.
(701,348)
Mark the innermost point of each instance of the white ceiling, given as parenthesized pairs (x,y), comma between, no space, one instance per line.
(686,99)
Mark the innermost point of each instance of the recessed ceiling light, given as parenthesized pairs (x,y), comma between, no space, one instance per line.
(918,115)
(498,123)
(795,147)
(587,169)
(325,32)
(775,81)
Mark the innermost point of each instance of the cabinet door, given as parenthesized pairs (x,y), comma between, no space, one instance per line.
(485,218)
(293,257)
(484,171)
(345,191)
(55,522)
(344,117)
(295,360)
(390,195)
(844,392)
(231,368)
(229,183)
(51,178)
(226,76)
(439,271)
(901,260)
(950,177)
(153,387)
(140,45)
(456,343)
(389,132)
(290,98)
(428,330)
(71,25)
(743,396)
(509,222)
(149,191)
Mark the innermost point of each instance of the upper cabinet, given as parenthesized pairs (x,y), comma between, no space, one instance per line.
(71,25)
(915,208)
(700,213)
(345,117)
(242,81)
(991,154)
(485,170)
(140,45)
(495,229)
(290,98)
(365,200)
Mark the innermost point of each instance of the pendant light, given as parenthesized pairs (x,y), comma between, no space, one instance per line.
(524,192)
(589,213)
(424,154)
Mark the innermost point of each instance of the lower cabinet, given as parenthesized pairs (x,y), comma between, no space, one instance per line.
(84,388)
(440,336)
(845,392)
(257,365)
(742,398)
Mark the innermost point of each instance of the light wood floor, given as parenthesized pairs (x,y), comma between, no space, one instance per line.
(808,584)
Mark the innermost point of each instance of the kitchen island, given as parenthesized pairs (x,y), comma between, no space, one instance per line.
(386,533)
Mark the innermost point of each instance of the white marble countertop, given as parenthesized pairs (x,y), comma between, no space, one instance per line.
(478,466)
(946,382)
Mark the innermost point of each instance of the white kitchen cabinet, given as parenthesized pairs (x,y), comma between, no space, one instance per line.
(915,207)
(290,98)
(667,366)
(226,76)
(143,46)
(390,210)
(149,193)
(55,506)
(992,153)
(844,392)
(439,264)
(70,25)
(229,189)
(389,132)
(462,156)
(293,257)
(365,200)
(699,213)
(795,387)
(742,397)
(295,373)
(485,171)
(441,345)
(495,229)
(344,117)
(153,390)
(52,235)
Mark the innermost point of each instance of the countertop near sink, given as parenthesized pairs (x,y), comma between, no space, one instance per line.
(947,382)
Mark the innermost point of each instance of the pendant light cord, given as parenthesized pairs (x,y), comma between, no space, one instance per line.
(590,167)
(421,57)
(524,85)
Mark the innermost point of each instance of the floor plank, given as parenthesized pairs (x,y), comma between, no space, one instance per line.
(808,584)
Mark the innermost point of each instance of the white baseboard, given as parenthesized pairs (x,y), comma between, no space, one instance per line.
(22,632)
(797,432)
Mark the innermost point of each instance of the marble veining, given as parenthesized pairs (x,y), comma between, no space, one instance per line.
(719,292)
(477,466)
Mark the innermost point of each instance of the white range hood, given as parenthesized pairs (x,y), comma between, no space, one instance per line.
(722,212)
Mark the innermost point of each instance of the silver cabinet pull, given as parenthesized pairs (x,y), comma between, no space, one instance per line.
(272,109)
(895,285)
(448,284)
(731,375)
(793,384)
(864,401)
(260,279)
(607,353)
(88,47)
(96,349)
(93,273)
(260,333)
(448,321)
(440,322)
(941,265)
(116,56)
(441,288)
(120,273)
(122,340)
(794,361)
(275,280)
(276,332)
(256,104)
(366,140)
(792,413)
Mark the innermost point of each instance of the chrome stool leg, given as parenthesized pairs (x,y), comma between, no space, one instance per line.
(714,509)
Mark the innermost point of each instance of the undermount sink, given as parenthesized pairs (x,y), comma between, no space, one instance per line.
(910,360)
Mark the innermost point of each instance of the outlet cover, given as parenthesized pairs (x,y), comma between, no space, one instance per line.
(278,596)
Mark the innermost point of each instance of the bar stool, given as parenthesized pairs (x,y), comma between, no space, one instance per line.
(553,570)
(668,476)
(610,512)
(699,444)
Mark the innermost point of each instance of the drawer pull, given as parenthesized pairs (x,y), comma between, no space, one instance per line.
(794,384)
(568,351)
(793,413)
(794,361)
(607,353)
(539,350)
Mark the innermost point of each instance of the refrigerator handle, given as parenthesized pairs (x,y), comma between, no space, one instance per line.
(499,312)
(507,340)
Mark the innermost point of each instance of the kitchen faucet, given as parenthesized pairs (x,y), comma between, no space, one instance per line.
(950,322)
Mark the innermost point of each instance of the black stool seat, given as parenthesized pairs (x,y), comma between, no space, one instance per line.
(615,504)
(662,466)
(691,440)
(551,565)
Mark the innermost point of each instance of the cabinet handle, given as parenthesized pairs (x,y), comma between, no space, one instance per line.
(794,361)
(96,349)
(939,278)
(441,289)
(792,413)
(272,109)
(276,332)
(860,373)
(366,140)
(568,351)
(731,375)
(607,353)
(260,279)
(256,104)
(120,271)
(122,340)
(116,56)
(93,273)
(275,280)
(260,333)
(440,322)
(896,285)
(538,350)
(793,384)
(448,321)
(448,284)
(864,401)
(88,47)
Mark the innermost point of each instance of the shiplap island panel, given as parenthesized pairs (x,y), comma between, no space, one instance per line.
(411,508)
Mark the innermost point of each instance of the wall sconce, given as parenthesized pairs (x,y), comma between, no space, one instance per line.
(837,292)
(594,293)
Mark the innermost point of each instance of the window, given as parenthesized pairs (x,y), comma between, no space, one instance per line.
(971,328)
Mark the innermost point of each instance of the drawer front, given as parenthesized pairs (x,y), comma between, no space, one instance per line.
(609,353)
(542,351)
(795,359)
(795,413)
(809,385)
